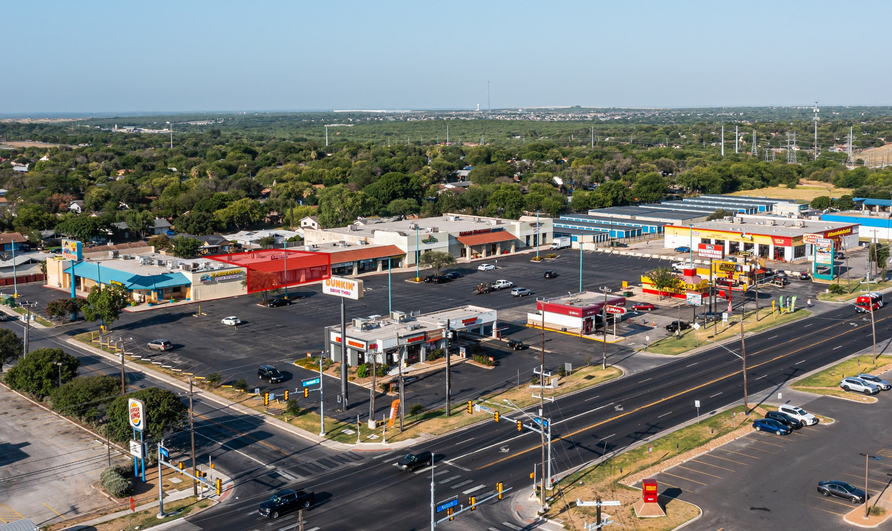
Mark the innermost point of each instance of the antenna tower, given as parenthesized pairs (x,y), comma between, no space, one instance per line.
(755,146)
(851,156)
(791,148)
(816,129)
(736,139)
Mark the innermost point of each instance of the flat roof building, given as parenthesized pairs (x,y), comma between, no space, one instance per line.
(578,312)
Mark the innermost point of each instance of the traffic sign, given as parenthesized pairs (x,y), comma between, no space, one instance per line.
(164,452)
(618,310)
(541,422)
(311,381)
(447,505)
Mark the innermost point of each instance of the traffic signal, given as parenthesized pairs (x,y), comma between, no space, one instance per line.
(497,416)
(219,486)
(286,395)
(499,488)
(181,465)
(265,399)
(449,512)
(519,425)
(470,407)
(306,392)
(471,501)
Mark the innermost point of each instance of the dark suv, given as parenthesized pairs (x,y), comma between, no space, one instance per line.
(268,372)
(278,301)
(784,419)
(413,461)
(286,501)
(515,344)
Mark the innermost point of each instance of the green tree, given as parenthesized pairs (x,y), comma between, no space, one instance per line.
(164,413)
(37,375)
(612,193)
(719,214)
(140,221)
(95,198)
(241,213)
(185,247)
(402,207)
(61,308)
(436,259)
(85,398)
(198,223)
(105,305)
(845,203)
(879,257)
(664,279)
(81,227)
(821,202)
(267,241)
(649,187)
(10,347)
(339,206)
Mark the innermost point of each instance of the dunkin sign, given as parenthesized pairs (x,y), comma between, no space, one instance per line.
(136,412)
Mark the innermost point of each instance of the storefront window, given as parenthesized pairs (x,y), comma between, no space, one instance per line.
(799,252)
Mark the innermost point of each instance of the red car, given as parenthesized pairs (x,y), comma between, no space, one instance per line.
(644,307)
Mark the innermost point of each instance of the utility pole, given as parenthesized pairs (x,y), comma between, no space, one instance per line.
(605,290)
(448,374)
(746,406)
(123,376)
(402,393)
(542,504)
(192,436)
(343,355)
(873,325)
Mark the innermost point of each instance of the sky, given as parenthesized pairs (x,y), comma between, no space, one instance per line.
(193,55)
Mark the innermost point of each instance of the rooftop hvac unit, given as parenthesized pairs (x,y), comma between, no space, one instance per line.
(113,254)
(476,220)
(495,222)
(413,226)
(442,323)
(400,317)
(435,229)
(363,242)
(159,262)
(360,322)
(172,264)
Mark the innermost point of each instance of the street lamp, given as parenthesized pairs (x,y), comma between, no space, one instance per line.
(59,364)
(867,458)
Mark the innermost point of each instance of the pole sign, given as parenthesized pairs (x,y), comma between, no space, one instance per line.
(708,250)
(618,310)
(136,449)
(311,381)
(347,288)
(136,413)
(72,250)
(695,299)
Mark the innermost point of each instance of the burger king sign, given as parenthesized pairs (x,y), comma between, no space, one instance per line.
(136,412)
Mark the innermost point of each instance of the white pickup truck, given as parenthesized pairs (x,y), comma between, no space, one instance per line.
(502,284)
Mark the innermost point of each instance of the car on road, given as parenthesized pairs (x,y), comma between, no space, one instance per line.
(160,344)
(876,380)
(772,426)
(486,267)
(452,275)
(859,386)
(268,372)
(803,416)
(521,292)
(515,344)
(683,249)
(784,419)
(644,307)
(677,325)
(286,501)
(278,301)
(841,489)
(502,284)
(681,266)
(551,274)
(4,317)
(231,320)
(412,462)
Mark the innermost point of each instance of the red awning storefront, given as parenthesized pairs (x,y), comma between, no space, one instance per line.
(489,237)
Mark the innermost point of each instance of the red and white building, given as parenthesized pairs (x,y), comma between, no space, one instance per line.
(579,313)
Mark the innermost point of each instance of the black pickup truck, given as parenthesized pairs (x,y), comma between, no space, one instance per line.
(287,501)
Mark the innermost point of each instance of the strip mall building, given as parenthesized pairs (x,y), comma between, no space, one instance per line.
(768,237)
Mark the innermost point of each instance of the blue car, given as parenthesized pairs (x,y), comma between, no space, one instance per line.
(682,249)
(771,425)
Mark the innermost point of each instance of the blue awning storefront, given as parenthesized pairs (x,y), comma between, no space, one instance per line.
(130,281)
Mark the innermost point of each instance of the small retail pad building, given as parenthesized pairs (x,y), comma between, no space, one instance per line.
(578,313)
(383,337)
(463,236)
(770,237)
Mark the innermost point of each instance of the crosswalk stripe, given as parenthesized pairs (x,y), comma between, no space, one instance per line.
(451,478)
(475,489)
(382,455)
(509,525)
(463,483)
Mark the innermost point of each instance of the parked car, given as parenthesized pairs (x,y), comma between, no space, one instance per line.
(268,372)
(231,320)
(680,266)
(551,274)
(452,275)
(515,344)
(428,278)
(876,380)
(779,281)
(486,267)
(501,284)
(772,426)
(803,416)
(414,461)
(859,386)
(841,489)
(286,501)
(683,249)
(677,325)
(644,307)
(159,344)
(521,292)
(784,419)
(4,317)
(708,316)
(278,301)
(780,274)
(804,276)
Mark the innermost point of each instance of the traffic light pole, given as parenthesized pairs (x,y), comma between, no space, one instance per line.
(448,375)
(546,438)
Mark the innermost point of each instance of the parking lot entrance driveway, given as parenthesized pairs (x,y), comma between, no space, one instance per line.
(766,481)
(47,464)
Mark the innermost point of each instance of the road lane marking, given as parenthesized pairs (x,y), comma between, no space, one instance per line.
(382,455)
(664,414)
(772,337)
(763,376)
(680,393)
(712,465)
(425,469)
(686,479)
(691,365)
(798,362)
(609,436)
(837,348)
(592,398)
(279,522)
(699,472)
(717,394)
(645,380)
(475,489)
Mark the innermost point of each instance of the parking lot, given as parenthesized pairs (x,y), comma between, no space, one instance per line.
(765,481)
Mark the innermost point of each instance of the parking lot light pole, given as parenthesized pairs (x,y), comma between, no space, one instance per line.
(866,466)
(59,364)
(604,290)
